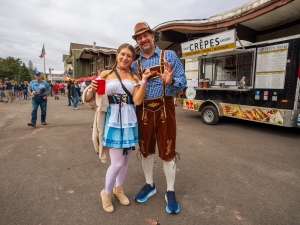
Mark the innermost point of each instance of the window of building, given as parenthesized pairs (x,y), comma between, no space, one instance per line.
(245,67)
(228,69)
(94,65)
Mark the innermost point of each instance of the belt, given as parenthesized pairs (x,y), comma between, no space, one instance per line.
(119,98)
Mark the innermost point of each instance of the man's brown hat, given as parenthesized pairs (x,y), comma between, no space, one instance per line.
(140,28)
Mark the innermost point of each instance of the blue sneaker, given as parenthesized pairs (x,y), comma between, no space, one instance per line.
(172,204)
(145,193)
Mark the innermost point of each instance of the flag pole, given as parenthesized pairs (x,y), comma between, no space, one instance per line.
(45,78)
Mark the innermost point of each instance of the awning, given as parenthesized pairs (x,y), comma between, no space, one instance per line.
(91,78)
(86,78)
(67,78)
(219,54)
(80,79)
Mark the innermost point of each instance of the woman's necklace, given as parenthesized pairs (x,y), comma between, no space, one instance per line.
(122,69)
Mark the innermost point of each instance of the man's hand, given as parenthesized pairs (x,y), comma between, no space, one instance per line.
(31,95)
(168,72)
(45,97)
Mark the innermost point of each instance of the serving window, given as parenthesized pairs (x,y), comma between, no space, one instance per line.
(228,69)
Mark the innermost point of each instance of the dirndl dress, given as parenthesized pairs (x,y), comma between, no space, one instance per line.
(120,129)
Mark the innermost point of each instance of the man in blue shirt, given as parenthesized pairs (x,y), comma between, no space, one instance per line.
(156,116)
(39,90)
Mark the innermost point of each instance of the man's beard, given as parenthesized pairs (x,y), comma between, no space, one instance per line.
(148,49)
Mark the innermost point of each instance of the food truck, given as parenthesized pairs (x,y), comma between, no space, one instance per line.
(253,81)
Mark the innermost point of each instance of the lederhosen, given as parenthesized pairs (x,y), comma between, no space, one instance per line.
(156,121)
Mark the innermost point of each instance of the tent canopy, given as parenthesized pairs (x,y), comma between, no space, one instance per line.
(86,78)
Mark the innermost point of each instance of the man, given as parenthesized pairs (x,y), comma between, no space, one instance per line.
(156,116)
(69,95)
(39,90)
(55,88)
(1,90)
(8,90)
(51,88)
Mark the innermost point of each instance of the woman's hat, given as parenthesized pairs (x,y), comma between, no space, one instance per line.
(140,28)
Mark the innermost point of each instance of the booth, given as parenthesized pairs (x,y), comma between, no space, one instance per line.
(257,82)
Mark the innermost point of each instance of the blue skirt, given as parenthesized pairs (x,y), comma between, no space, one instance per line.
(114,138)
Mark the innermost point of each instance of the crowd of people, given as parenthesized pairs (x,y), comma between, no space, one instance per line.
(13,90)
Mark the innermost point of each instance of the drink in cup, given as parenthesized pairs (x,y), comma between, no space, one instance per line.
(101,86)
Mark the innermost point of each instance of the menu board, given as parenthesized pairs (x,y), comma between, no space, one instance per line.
(191,72)
(271,66)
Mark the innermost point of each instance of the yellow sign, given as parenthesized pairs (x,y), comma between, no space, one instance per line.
(209,50)
(219,42)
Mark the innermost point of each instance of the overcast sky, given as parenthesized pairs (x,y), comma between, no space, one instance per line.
(26,24)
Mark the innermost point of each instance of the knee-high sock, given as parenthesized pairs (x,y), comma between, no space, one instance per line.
(148,164)
(117,160)
(123,171)
(170,173)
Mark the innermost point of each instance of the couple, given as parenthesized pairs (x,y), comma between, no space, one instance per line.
(153,122)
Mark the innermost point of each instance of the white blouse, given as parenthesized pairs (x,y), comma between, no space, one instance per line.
(127,111)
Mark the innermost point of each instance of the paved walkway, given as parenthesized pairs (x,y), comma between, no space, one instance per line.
(233,173)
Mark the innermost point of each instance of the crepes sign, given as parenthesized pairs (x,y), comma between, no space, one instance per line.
(214,43)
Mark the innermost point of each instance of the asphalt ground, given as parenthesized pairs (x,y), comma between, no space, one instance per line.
(236,172)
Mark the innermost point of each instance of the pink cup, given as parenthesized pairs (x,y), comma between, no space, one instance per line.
(101,86)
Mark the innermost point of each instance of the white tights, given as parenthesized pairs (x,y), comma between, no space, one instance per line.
(169,169)
(117,170)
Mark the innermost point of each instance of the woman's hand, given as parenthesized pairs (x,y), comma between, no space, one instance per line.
(168,72)
(94,85)
(146,75)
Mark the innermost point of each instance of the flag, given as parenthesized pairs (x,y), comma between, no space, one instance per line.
(43,53)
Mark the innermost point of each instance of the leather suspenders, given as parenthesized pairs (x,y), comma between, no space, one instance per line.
(161,64)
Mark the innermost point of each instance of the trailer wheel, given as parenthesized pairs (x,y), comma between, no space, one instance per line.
(210,115)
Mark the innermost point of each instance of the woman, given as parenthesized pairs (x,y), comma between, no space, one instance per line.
(25,90)
(120,133)
(62,88)
(16,90)
(74,93)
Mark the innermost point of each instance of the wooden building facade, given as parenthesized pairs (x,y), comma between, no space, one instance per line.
(87,60)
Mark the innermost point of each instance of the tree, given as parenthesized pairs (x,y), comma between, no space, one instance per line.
(24,74)
(31,69)
(10,67)
(42,76)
